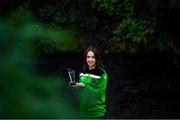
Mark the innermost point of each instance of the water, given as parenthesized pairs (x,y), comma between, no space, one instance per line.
(139,86)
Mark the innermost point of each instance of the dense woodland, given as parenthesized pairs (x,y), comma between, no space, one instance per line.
(123,26)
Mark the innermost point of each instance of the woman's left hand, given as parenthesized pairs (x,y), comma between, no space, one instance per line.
(78,85)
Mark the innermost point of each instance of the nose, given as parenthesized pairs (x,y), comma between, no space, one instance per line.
(90,58)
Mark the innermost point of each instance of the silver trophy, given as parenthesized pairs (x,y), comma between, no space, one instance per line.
(71,74)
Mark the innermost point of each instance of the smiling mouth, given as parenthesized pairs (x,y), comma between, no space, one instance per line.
(90,62)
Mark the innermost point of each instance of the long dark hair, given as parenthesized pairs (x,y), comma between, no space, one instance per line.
(97,57)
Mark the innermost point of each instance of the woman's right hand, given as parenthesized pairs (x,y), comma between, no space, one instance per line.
(78,85)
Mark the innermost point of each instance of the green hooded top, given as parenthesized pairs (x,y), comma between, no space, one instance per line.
(93,95)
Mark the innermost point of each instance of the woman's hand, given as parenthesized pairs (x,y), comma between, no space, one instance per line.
(78,85)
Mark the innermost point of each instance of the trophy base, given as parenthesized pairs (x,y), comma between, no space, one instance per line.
(71,83)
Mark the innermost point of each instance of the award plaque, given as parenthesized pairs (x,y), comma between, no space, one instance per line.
(71,74)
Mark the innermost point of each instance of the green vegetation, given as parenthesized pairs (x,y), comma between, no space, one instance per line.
(122,25)
(25,94)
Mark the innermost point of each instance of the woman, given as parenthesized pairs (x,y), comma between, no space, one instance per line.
(93,81)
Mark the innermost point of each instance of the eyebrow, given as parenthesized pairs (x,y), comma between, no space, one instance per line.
(90,56)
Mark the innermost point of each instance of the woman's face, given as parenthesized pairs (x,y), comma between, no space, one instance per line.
(91,60)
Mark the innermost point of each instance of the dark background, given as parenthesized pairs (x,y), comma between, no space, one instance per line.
(138,41)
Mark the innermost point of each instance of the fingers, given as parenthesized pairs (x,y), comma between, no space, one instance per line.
(78,85)
(82,84)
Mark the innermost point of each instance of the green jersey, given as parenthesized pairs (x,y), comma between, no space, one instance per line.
(93,95)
